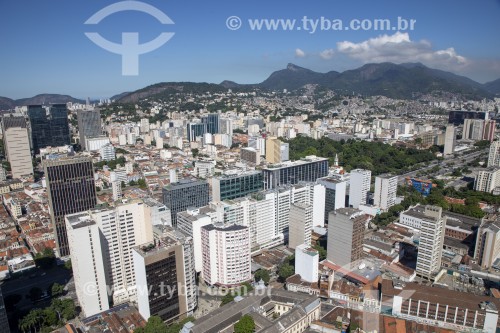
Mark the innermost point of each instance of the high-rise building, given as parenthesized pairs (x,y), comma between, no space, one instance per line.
(71,189)
(258,143)
(301,225)
(479,129)
(335,194)
(107,152)
(4,321)
(236,184)
(276,151)
(494,155)
(488,180)
(449,140)
(85,239)
(308,169)
(346,228)
(195,130)
(487,249)
(121,228)
(250,155)
(178,197)
(430,248)
(226,254)
(458,117)
(386,188)
(89,125)
(307,263)
(3,174)
(48,128)
(190,223)
(17,146)
(117,190)
(166,279)
(212,121)
(144,127)
(360,182)
(226,126)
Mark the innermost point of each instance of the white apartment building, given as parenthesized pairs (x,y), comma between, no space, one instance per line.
(190,222)
(335,193)
(123,227)
(386,188)
(88,270)
(107,152)
(300,225)
(226,254)
(494,154)
(359,186)
(96,143)
(488,180)
(432,231)
(449,140)
(307,263)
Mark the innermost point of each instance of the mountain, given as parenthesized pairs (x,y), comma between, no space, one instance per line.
(387,79)
(493,87)
(7,103)
(45,99)
(291,78)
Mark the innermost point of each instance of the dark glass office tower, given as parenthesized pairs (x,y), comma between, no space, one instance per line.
(89,125)
(186,193)
(48,129)
(212,121)
(71,189)
(195,129)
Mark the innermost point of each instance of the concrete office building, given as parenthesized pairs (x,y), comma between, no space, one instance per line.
(487,251)
(301,225)
(430,249)
(277,151)
(346,227)
(250,155)
(89,125)
(335,193)
(307,169)
(236,184)
(449,140)
(17,146)
(359,186)
(459,116)
(386,188)
(107,152)
(165,275)
(71,189)
(85,239)
(226,254)
(258,143)
(178,197)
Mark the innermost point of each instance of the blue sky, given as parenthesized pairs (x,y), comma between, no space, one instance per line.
(44,49)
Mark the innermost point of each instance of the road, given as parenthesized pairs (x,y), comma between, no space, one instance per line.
(443,169)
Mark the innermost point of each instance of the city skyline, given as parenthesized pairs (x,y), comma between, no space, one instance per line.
(204,49)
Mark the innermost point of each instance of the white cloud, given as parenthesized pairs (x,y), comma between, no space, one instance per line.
(327,54)
(399,48)
(299,53)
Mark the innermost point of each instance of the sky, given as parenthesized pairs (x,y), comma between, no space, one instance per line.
(44,49)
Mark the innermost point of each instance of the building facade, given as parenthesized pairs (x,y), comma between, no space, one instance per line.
(48,128)
(359,186)
(178,197)
(386,188)
(17,146)
(346,227)
(71,189)
(236,184)
(89,125)
(308,169)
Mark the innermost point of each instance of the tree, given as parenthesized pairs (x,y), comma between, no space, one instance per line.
(285,271)
(262,274)
(321,251)
(68,265)
(46,258)
(142,183)
(245,325)
(155,325)
(195,152)
(56,289)
(228,298)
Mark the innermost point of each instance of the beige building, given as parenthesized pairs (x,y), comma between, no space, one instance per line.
(17,146)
